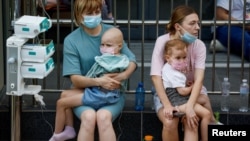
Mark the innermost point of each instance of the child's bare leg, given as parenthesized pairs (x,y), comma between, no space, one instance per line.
(205,101)
(205,116)
(64,117)
(69,114)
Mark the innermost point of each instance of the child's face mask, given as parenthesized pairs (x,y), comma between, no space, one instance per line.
(179,65)
(110,50)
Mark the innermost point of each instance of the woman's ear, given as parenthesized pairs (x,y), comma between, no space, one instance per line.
(177,26)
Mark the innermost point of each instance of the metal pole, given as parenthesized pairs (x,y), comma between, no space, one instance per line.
(15,118)
(1,51)
(15,100)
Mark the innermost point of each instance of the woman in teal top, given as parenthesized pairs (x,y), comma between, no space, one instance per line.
(80,48)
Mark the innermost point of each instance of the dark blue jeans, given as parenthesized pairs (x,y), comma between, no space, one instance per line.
(235,40)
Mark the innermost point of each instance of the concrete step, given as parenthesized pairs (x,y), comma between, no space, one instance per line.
(37,124)
(129,126)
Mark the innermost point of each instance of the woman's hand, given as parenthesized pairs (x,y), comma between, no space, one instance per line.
(192,118)
(168,111)
(108,82)
(117,76)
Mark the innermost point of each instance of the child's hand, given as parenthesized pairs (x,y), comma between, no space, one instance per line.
(189,84)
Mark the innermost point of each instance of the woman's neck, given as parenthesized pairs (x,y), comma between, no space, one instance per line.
(175,36)
(94,31)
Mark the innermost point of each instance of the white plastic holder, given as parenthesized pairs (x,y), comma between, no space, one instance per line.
(38,52)
(15,82)
(30,26)
(37,70)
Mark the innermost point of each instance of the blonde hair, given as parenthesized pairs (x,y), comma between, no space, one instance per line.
(85,6)
(176,44)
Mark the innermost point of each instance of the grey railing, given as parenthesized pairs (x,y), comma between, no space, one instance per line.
(136,14)
(130,13)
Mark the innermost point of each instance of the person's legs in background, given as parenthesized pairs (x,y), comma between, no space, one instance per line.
(66,2)
(235,40)
(104,11)
(109,9)
(247,46)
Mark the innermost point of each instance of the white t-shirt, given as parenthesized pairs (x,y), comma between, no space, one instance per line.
(236,8)
(172,78)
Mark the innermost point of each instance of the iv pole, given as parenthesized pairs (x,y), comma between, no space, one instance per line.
(27,60)
(16,104)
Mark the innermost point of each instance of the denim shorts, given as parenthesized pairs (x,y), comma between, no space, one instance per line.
(173,96)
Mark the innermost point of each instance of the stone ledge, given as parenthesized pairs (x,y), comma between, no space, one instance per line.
(130,125)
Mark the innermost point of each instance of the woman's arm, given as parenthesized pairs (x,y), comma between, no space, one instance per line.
(105,81)
(80,81)
(127,73)
(192,118)
(158,84)
(222,14)
(198,82)
(157,63)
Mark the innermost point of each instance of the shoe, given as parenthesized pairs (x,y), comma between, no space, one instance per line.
(111,18)
(219,123)
(52,139)
(218,46)
(216,123)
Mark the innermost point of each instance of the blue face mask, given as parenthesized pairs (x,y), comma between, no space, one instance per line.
(188,38)
(92,21)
